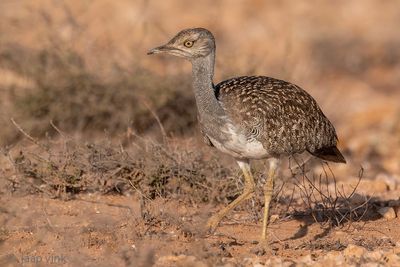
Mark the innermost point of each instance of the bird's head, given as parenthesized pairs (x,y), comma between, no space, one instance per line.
(190,44)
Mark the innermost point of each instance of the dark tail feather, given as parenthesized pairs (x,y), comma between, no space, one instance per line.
(331,153)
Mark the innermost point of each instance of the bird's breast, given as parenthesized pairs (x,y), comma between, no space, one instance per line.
(233,142)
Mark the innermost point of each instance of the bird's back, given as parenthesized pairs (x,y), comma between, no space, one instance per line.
(284,118)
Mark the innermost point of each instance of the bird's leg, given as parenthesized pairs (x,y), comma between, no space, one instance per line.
(268,190)
(249,187)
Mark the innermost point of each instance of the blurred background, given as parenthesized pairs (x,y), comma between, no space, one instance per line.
(82,65)
(83,112)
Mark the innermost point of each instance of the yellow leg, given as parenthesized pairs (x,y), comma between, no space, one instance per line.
(268,190)
(247,193)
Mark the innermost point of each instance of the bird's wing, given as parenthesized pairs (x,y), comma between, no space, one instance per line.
(281,115)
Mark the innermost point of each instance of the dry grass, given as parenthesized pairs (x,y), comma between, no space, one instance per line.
(65,167)
(81,66)
(326,201)
(88,74)
(65,93)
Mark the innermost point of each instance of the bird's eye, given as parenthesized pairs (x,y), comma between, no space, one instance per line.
(188,44)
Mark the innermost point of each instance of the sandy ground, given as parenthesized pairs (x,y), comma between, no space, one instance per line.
(345,54)
(99,230)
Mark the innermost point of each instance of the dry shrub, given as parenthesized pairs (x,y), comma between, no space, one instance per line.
(65,92)
(67,167)
(326,201)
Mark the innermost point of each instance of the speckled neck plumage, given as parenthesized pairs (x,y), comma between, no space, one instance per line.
(210,112)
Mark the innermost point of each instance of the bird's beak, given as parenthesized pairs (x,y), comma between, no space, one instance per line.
(159,49)
(168,49)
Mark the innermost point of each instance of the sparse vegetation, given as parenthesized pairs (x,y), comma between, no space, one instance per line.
(65,167)
(99,156)
(65,93)
(327,202)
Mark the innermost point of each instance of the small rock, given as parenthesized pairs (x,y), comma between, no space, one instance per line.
(395,204)
(354,251)
(387,212)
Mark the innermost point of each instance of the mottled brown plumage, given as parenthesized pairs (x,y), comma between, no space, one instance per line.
(252,117)
(280,115)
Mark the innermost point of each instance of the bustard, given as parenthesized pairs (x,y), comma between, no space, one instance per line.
(252,117)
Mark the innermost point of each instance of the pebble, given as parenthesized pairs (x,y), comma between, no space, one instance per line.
(387,212)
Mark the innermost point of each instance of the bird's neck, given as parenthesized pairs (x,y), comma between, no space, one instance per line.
(203,72)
